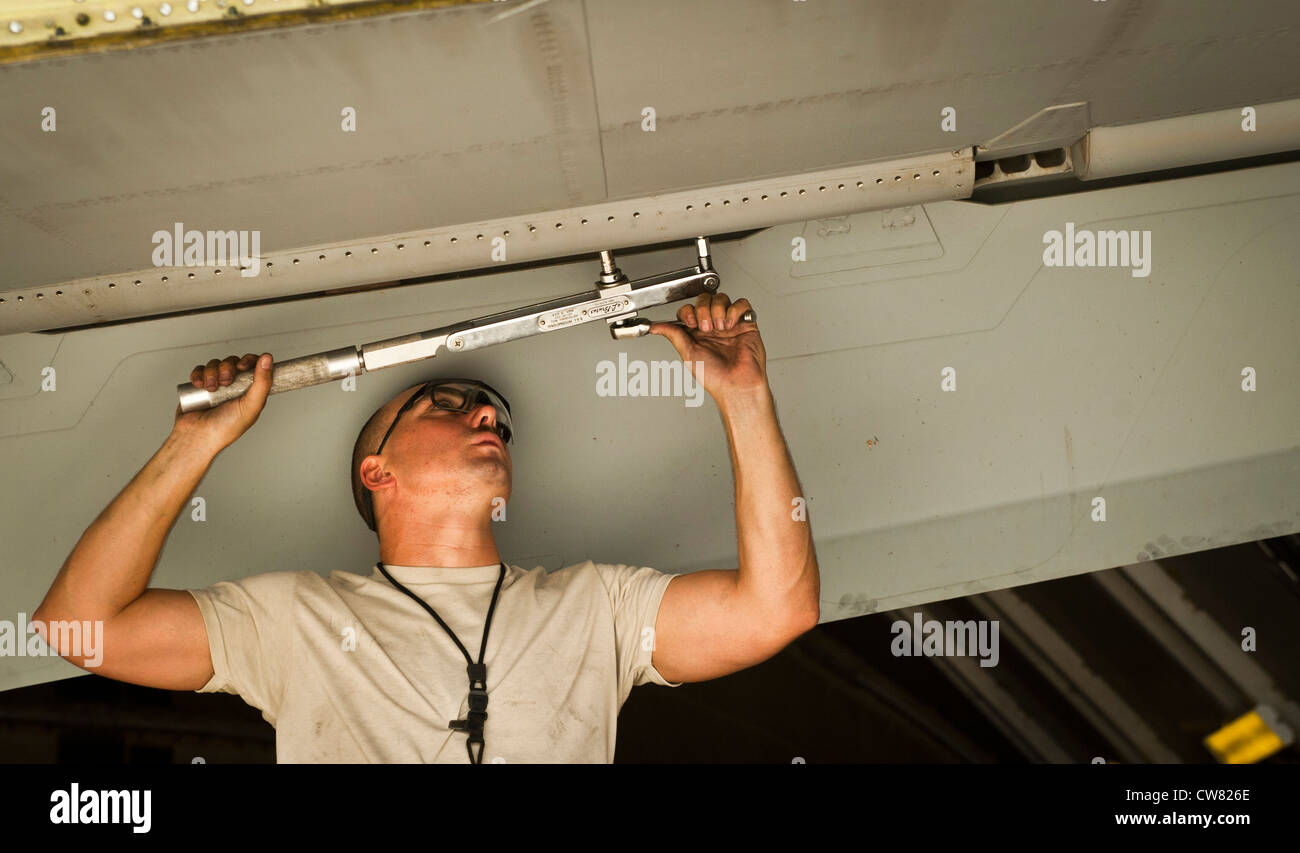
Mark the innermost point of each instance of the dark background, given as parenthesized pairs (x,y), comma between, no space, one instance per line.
(838,694)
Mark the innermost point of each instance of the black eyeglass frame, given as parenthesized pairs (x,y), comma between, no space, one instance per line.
(428,388)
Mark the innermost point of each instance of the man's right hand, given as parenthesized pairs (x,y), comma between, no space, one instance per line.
(227,421)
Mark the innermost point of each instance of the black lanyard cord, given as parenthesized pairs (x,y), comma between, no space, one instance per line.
(478,698)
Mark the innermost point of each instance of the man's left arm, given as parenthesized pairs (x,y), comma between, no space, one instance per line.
(715,622)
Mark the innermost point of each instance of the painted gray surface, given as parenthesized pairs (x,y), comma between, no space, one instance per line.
(461,120)
(501,243)
(1072,383)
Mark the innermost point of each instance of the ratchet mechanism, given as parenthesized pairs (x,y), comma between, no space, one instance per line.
(616,300)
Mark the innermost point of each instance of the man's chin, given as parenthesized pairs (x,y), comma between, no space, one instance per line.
(494,467)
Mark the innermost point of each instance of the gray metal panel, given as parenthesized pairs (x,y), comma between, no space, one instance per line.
(458,119)
(462,119)
(1072,383)
(502,242)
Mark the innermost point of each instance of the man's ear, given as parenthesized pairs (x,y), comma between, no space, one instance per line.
(373,475)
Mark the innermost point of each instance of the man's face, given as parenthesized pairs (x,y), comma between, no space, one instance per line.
(443,454)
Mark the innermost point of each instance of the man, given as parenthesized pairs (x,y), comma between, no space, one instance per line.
(443,653)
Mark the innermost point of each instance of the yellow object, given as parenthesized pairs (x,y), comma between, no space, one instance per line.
(1249,738)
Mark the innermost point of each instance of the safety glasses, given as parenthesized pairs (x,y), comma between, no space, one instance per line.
(458,395)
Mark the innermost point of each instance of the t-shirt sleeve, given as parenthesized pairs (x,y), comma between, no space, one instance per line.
(634,594)
(250,637)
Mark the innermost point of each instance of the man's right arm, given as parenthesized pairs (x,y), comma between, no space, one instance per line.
(153,637)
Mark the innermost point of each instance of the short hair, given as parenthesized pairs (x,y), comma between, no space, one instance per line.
(367,441)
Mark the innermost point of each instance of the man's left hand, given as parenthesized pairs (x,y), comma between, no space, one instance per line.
(723,353)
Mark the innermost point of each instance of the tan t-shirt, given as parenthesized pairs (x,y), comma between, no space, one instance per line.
(349,669)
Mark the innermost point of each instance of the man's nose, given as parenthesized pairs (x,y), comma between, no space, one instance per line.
(483,412)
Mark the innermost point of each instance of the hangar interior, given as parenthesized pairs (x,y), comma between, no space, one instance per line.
(1097,448)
